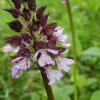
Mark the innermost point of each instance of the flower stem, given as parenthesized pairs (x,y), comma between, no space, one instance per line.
(47,87)
(74,49)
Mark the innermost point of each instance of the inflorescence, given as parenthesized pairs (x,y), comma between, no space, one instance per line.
(37,41)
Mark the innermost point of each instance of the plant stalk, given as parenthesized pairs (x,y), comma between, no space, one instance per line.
(47,87)
(74,49)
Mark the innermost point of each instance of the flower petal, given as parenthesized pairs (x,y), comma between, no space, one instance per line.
(53,51)
(14,71)
(50,61)
(9,48)
(62,66)
(63,62)
(53,76)
(45,59)
(68,61)
(23,64)
(16,59)
(35,56)
(61,37)
(66,51)
(42,59)
(66,44)
(28,63)
(58,32)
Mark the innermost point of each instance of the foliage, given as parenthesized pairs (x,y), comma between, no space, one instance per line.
(29,85)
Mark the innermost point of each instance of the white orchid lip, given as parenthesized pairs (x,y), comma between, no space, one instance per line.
(53,76)
(44,59)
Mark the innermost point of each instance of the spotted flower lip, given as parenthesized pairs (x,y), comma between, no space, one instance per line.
(53,76)
(63,62)
(36,41)
(60,37)
(22,65)
(44,59)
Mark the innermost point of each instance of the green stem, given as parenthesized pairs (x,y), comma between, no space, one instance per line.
(74,49)
(47,87)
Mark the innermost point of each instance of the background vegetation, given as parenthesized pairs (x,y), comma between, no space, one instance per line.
(29,86)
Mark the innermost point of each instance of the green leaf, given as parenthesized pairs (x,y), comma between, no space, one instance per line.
(90,81)
(68,89)
(81,80)
(96,95)
(35,96)
(60,94)
(93,51)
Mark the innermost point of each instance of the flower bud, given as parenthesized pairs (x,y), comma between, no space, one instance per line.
(60,49)
(40,11)
(15,58)
(40,45)
(15,25)
(31,5)
(26,14)
(48,29)
(17,3)
(14,40)
(51,44)
(25,52)
(44,19)
(15,12)
(36,25)
(26,38)
(52,38)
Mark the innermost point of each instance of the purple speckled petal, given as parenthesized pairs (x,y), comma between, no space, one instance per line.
(45,59)
(14,71)
(53,76)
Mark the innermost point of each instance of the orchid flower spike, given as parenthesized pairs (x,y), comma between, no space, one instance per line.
(36,42)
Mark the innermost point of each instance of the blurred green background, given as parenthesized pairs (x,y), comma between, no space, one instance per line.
(29,86)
